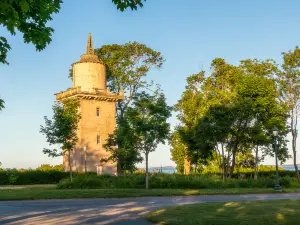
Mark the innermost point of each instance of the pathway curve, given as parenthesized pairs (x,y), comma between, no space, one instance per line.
(106,211)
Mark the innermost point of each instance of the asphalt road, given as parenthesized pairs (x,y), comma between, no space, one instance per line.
(122,211)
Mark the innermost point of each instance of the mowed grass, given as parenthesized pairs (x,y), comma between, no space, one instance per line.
(275,212)
(50,192)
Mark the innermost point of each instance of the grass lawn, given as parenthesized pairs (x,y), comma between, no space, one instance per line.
(50,192)
(273,212)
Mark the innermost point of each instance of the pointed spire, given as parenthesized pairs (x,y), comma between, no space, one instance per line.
(89,47)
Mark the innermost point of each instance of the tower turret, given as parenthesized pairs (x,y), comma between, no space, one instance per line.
(89,72)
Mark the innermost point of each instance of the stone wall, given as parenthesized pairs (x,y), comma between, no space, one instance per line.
(90,127)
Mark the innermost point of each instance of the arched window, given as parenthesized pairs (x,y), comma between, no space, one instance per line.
(97,112)
(98,139)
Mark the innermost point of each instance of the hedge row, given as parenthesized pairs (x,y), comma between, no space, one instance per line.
(283,173)
(172,181)
(33,177)
(53,177)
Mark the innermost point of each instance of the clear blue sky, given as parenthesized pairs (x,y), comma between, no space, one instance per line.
(189,34)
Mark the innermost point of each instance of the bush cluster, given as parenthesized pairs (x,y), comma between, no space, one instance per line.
(283,173)
(13,176)
(172,181)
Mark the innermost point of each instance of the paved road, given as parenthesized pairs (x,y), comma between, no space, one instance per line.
(106,211)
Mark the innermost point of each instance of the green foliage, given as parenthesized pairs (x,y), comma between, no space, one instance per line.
(177,151)
(124,4)
(27,177)
(289,79)
(232,111)
(62,129)
(47,167)
(127,65)
(29,17)
(148,117)
(126,153)
(12,176)
(1,104)
(173,181)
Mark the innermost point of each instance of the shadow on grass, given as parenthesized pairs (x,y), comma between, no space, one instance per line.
(275,212)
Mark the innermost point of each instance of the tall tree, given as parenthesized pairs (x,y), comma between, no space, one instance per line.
(127,66)
(220,112)
(148,116)
(289,79)
(61,131)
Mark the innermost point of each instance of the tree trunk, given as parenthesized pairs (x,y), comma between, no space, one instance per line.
(223,162)
(70,166)
(234,150)
(227,166)
(119,172)
(147,176)
(294,135)
(294,121)
(187,163)
(256,163)
(232,164)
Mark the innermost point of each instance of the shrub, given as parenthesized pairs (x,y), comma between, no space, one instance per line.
(47,167)
(12,176)
(172,181)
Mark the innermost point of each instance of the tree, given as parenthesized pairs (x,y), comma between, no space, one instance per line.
(127,154)
(177,151)
(289,80)
(29,17)
(62,130)
(231,110)
(148,116)
(124,4)
(127,65)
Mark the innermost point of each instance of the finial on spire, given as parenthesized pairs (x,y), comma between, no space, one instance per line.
(89,47)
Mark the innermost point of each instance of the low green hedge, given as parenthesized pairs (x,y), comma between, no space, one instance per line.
(33,177)
(283,173)
(12,176)
(172,181)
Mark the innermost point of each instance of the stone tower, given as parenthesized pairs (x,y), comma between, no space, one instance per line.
(98,113)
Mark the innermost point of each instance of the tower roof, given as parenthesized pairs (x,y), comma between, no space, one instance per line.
(90,55)
(89,46)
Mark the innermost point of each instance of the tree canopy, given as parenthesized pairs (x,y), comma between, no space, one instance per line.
(127,66)
(148,116)
(124,4)
(29,17)
(231,110)
(127,153)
